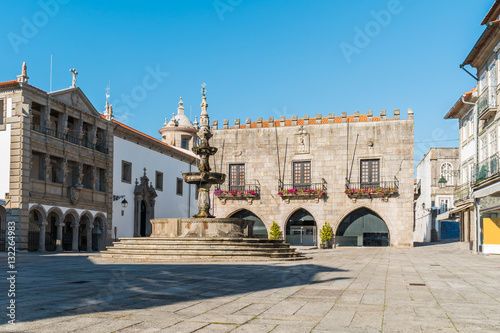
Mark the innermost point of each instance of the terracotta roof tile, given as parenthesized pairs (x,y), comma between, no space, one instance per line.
(8,83)
(324,120)
(312,121)
(265,123)
(288,122)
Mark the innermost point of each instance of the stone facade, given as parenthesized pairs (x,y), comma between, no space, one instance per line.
(308,162)
(57,172)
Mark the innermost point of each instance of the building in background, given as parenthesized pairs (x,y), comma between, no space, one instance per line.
(148,176)
(56,167)
(354,172)
(485,180)
(437,175)
(74,179)
(465,110)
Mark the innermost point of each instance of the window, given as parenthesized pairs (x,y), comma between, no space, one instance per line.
(444,204)
(159,181)
(471,125)
(465,175)
(179,186)
(370,173)
(185,142)
(101,180)
(493,142)
(465,129)
(87,177)
(126,172)
(447,173)
(38,166)
(236,177)
(483,152)
(302,175)
(56,166)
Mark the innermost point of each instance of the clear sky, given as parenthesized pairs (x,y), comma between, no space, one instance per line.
(259,58)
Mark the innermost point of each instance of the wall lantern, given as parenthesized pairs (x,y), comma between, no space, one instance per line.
(442,182)
(118,197)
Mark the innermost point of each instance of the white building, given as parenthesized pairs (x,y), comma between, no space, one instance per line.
(147,174)
(436,165)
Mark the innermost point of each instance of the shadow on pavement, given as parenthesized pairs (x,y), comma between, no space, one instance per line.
(50,286)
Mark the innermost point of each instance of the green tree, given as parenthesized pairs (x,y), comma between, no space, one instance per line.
(325,233)
(275,231)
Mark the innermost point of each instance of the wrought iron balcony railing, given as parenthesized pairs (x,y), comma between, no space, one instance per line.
(307,190)
(247,192)
(382,188)
(485,169)
(487,102)
(72,139)
(462,193)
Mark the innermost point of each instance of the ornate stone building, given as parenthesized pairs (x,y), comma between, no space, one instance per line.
(355,172)
(56,167)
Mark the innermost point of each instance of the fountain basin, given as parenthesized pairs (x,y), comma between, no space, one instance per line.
(202,227)
(204,178)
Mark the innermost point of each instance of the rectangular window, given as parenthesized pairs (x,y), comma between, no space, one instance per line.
(38,166)
(101,180)
(483,152)
(236,177)
(180,184)
(56,164)
(302,175)
(185,142)
(87,177)
(370,173)
(493,142)
(126,172)
(159,181)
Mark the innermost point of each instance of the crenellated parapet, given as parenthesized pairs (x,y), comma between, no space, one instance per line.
(318,119)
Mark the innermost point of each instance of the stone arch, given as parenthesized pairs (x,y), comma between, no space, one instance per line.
(70,224)
(359,206)
(300,227)
(144,206)
(362,227)
(260,230)
(54,220)
(85,225)
(36,228)
(99,232)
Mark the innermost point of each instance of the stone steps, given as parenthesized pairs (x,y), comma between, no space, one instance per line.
(213,249)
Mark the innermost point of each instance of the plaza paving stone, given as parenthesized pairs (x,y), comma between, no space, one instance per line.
(423,289)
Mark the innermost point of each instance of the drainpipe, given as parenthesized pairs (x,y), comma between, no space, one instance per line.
(476,160)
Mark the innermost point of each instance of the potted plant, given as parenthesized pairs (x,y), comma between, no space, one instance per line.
(325,233)
(275,232)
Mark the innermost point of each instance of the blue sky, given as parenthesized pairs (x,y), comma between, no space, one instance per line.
(259,58)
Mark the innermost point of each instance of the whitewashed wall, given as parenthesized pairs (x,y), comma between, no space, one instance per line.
(168,203)
(422,231)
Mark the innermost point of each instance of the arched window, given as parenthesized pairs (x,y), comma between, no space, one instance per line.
(447,172)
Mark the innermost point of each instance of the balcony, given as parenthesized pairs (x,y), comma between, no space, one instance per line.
(72,139)
(487,103)
(485,169)
(382,189)
(248,192)
(314,191)
(462,193)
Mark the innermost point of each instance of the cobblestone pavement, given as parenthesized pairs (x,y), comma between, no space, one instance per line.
(429,288)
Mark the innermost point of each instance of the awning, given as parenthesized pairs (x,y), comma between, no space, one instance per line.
(488,190)
(461,208)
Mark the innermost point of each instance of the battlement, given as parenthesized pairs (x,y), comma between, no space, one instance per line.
(306,120)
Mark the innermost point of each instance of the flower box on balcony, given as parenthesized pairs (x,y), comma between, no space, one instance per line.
(301,194)
(248,195)
(378,192)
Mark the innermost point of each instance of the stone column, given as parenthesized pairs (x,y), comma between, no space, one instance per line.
(41,243)
(151,215)
(89,236)
(74,245)
(59,226)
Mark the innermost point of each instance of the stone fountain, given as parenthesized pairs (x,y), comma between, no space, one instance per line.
(203,236)
(203,224)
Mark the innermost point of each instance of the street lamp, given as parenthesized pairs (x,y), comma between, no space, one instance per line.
(442,182)
(118,197)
